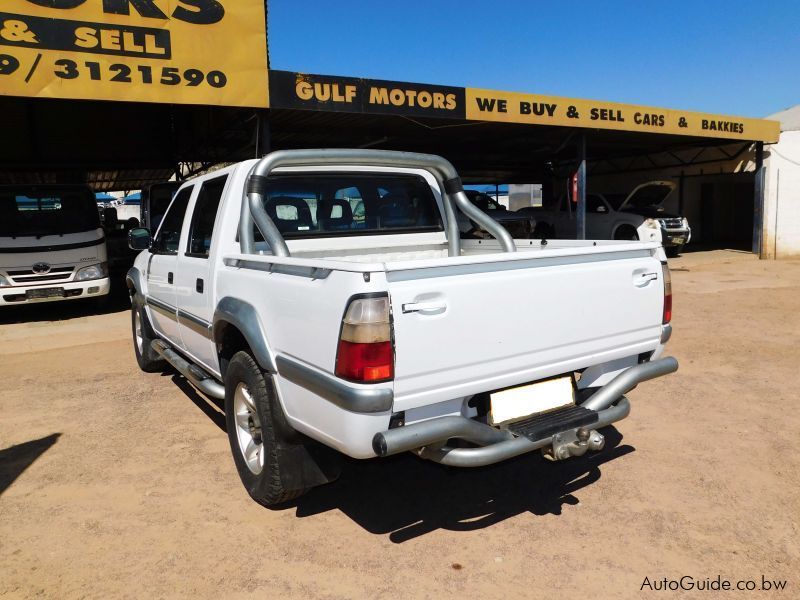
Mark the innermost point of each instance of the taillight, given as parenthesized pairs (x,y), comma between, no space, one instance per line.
(667,293)
(365,352)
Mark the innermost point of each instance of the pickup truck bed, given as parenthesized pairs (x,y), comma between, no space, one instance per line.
(462,322)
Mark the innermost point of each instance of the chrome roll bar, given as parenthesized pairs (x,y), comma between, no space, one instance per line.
(453,193)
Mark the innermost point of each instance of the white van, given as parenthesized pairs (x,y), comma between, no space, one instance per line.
(52,246)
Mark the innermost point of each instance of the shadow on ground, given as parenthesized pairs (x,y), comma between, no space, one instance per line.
(117,301)
(211,407)
(16,459)
(406,497)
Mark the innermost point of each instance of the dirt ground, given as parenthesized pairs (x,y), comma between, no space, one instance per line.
(118,484)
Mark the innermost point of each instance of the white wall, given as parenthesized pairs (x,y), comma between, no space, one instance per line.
(522,195)
(782,198)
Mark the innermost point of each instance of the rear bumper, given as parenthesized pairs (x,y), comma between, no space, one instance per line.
(10,296)
(429,439)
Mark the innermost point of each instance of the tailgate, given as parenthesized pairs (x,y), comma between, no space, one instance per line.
(470,328)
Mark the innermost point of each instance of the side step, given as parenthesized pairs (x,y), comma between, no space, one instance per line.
(194,374)
(543,425)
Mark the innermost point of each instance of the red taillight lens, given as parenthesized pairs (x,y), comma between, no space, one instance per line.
(365,362)
(667,294)
(365,352)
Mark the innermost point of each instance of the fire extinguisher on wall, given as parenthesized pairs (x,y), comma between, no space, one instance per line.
(574,187)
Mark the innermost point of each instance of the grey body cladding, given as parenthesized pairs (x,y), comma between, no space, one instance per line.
(361,399)
(194,323)
(243,316)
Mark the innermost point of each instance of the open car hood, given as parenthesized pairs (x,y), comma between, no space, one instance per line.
(648,196)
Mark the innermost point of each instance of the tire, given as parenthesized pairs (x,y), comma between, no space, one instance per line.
(255,421)
(626,232)
(148,359)
(673,251)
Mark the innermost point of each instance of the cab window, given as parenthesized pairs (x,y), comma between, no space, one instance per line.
(204,216)
(349,204)
(595,204)
(169,235)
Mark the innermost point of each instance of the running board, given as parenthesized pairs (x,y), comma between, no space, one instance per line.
(194,374)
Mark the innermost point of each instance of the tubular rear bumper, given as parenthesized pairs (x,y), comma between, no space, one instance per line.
(429,438)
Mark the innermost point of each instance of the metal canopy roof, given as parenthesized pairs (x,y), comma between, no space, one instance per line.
(115,145)
(123,146)
(481,151)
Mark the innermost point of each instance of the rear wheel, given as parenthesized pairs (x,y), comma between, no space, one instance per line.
(255,423)
(148,359)
(626,232)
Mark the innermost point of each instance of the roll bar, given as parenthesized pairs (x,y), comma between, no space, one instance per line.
(256,186)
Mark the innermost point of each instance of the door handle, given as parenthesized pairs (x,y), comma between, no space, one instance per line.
(169,277)
(641,279)
(199,285)
(426,308)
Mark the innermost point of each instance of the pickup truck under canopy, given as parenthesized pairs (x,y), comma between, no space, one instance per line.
(327,297)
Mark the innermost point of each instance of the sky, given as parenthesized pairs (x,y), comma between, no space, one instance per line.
(729,57)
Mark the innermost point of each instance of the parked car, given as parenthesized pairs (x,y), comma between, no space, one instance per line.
(52,246)
(326,335)
(519,226)
(639,215)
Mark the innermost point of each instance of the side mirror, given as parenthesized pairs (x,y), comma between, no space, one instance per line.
(139,238)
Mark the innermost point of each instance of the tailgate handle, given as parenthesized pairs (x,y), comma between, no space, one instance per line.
(642,278)
(426,308)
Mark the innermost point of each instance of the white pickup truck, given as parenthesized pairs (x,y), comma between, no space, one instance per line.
(375,332)
(52,246)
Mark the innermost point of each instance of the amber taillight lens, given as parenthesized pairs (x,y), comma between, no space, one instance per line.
(667,317)
(365,353)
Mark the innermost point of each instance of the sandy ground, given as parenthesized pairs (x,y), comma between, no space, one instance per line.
(114,483)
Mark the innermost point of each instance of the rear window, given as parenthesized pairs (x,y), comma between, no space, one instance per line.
(32,211)
(318,205)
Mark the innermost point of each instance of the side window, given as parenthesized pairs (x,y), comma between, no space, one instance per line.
(595,204)
(169,236)
(204,216)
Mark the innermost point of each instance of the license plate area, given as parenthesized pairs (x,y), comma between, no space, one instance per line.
(517,403)
(54,292)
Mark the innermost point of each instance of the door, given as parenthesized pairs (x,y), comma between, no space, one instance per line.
(563,218)
(161,296)
(598,218)
(193,281)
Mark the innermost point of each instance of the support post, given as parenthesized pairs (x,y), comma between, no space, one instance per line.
(580,212)
(263,134)
(758,200)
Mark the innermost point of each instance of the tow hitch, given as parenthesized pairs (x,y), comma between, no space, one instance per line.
(574,443)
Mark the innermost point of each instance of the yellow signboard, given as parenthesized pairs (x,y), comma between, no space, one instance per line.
(211,52)
(513,107)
